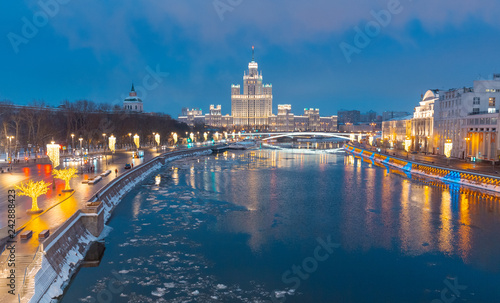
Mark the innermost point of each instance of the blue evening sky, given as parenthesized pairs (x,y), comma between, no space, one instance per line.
(95,49)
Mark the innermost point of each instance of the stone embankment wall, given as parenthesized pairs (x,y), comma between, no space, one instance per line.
(443,174)
(59,256)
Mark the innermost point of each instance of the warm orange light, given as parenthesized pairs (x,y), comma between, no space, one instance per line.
(66,175)
(33,190)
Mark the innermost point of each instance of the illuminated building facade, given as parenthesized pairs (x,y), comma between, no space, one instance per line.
(422,124)
(469,118)
(252,107)
(396,130)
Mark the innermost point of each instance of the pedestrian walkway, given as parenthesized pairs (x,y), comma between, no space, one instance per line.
(37,172)
(59,207)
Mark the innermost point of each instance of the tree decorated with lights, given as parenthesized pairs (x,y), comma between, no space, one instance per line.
(33,190)
(66,175)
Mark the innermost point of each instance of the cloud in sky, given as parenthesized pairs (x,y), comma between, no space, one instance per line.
(108,44)
(111,25)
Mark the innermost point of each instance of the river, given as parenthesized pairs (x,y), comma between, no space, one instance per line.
(277,226)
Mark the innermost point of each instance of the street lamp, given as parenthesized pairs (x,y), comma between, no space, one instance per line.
(10,156)
(53,153)
(448,146)
(136,141)
(175,138)
(467,140)
(81,153)
(73,144)
(157,139)
(104,146)
(112,145)
(407,145)
(131,142)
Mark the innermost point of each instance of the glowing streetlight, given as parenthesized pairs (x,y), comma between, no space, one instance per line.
(352,137)
(112,143)
(370,140)
(104,146)
(157,138)
(467,140)
(136,140)
(175,138)
(53,153)
(205,136)
(191,135)
(112,146)
(448,146)
(10,155)
(73,144)
(407,144)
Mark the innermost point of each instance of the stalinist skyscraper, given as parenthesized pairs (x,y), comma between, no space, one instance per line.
(253,107)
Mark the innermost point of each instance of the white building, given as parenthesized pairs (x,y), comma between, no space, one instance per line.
(469,118)
(422,124)
(133,103)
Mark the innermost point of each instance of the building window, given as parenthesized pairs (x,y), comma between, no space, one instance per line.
(476,101)
(475,110)
(492,102)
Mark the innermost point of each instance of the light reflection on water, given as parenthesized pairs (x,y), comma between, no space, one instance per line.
(387,225)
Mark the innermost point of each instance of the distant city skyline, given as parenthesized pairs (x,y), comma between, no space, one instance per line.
(199,52)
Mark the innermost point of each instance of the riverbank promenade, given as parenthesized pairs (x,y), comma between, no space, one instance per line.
(58,206)
(479,167)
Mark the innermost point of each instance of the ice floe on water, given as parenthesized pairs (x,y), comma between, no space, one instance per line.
(158,260)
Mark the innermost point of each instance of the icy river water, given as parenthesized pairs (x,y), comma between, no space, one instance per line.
(275,226)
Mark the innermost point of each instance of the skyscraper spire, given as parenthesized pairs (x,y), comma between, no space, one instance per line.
(253,53)
(133,89)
